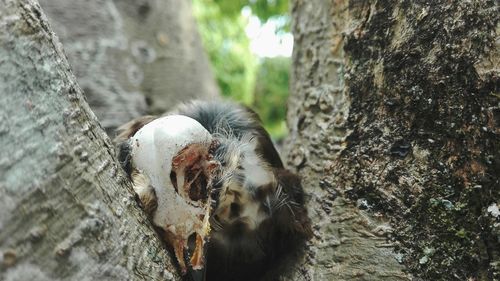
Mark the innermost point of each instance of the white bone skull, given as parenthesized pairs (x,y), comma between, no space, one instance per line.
(173,153)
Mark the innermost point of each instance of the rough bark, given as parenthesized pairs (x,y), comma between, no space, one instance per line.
(66,211)
(132,57)
(394,120)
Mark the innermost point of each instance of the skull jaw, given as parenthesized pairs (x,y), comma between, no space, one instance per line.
(183,253)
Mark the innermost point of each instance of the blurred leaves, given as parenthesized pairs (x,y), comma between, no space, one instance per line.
(264,9)
(228,47)
(271,94)
(259,83)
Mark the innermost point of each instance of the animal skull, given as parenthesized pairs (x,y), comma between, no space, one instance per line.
(173,153)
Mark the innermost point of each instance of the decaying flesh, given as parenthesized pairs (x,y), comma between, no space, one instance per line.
(259,219)
(171,156)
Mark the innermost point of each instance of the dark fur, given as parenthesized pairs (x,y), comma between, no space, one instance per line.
(126,131)
(264,252)
(232,120)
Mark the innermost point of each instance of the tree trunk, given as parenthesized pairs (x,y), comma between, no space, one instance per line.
(394,120)
(132,57)
(66,211)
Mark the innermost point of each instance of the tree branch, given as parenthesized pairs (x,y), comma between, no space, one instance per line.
(67,211)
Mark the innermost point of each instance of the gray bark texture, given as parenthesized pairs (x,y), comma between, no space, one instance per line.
(66,210)
(395,121)
(132,57)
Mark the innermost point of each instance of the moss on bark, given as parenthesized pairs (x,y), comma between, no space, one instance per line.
(422,133)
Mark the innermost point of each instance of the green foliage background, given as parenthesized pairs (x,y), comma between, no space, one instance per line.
(261,83)
(271,93)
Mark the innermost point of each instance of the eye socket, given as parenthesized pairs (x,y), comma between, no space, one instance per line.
(189,174)
(198,189)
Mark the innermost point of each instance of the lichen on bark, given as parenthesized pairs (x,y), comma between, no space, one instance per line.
(419,143)
(66,211)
